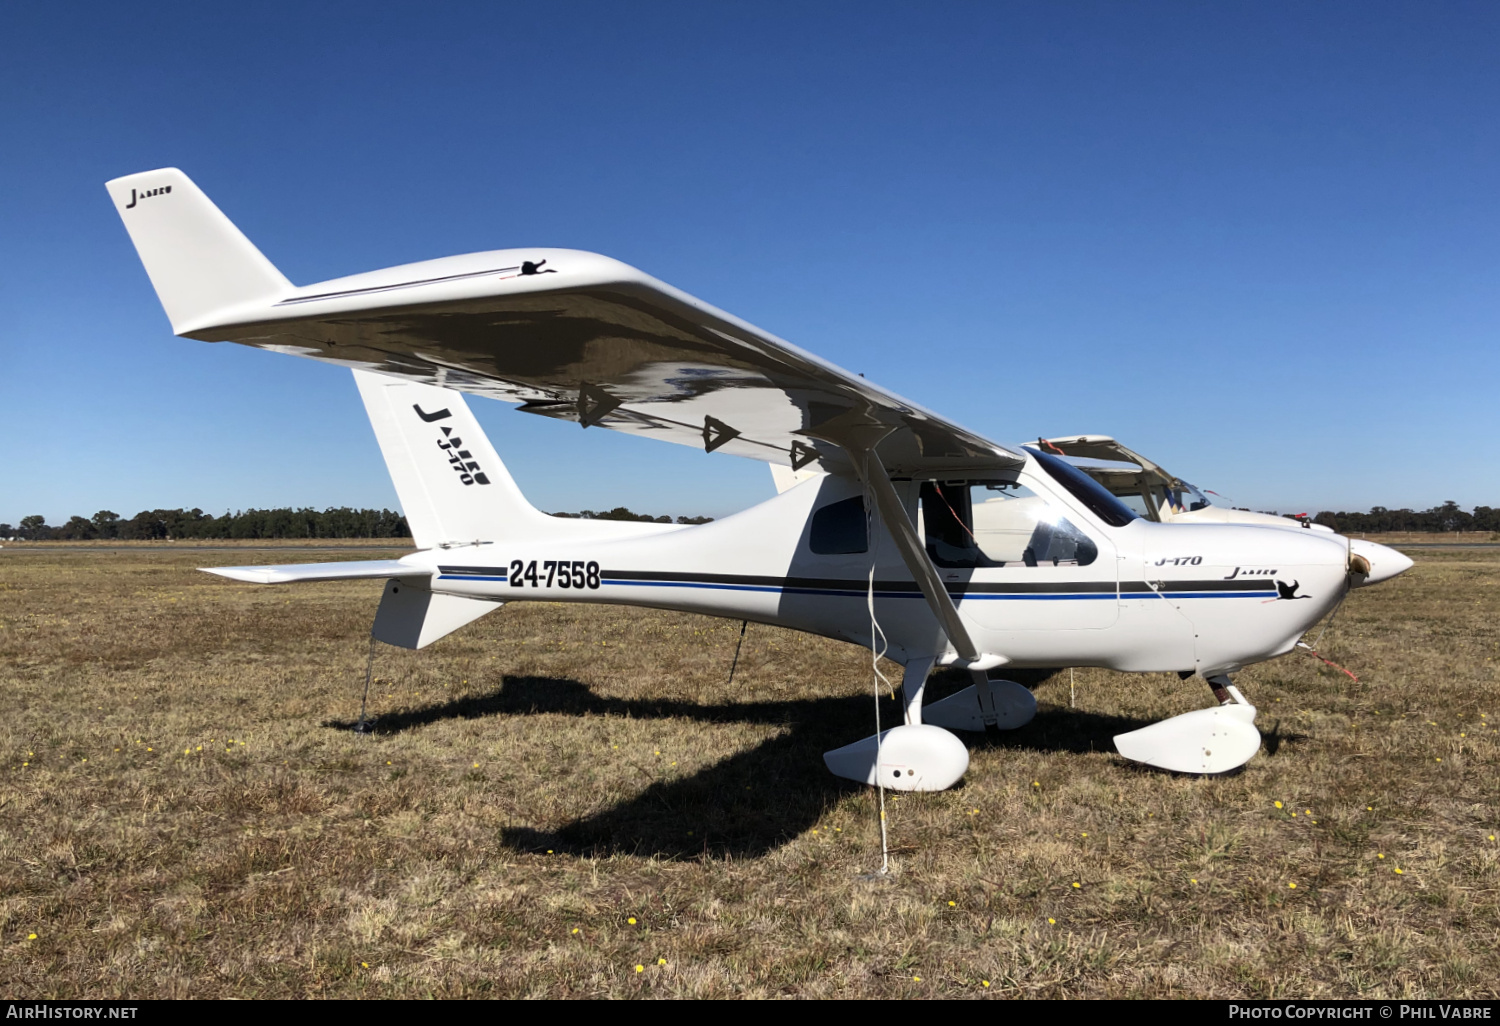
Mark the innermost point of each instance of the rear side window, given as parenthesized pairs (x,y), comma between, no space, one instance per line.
(839,528)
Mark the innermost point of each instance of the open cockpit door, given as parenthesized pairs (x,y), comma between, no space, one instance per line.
(1144,486)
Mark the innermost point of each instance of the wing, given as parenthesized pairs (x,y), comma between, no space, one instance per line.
(567,334)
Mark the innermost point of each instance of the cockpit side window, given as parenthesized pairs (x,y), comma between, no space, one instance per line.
(996,524)
(1135,499)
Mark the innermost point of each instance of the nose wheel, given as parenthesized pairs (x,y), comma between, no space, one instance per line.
(1203,741)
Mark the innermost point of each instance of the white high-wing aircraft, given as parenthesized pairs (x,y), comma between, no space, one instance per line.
(1157,494)
(919,534)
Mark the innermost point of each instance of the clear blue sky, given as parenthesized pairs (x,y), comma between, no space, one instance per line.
(1259,242)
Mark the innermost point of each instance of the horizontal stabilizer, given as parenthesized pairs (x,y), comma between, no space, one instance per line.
(353,570)
(413,617)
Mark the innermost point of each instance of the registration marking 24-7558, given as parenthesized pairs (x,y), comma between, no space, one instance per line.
(558,573)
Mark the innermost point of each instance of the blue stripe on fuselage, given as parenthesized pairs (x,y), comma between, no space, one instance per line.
(834,591)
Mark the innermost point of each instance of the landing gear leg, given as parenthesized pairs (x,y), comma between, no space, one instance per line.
(913,684)
(1205,741)
(1225,691)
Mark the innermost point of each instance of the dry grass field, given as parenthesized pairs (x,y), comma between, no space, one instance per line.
(569,801)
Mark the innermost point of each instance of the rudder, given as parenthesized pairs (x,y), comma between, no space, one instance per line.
(452,485)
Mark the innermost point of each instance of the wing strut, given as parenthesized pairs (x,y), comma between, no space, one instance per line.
(913,554)
(857,432)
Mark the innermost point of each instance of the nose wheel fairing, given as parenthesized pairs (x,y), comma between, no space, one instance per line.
(1207,741)
(1202,741)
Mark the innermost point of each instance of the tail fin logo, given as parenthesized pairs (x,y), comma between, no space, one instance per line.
(460,459)
(134,199)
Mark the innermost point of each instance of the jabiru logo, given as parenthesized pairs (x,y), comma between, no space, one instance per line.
(134,198)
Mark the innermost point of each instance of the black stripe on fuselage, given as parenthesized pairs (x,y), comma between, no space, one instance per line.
(371,289)
(847,585)
(474,571)
(953,587)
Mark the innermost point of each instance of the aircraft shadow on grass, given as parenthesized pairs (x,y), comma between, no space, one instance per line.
(749,803)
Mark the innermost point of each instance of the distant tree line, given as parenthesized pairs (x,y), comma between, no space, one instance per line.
(1447,517)
(184,524)
(343,522)
(621,513)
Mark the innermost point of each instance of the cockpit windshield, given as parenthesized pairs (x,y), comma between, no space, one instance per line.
(1086,490)
(1184,497)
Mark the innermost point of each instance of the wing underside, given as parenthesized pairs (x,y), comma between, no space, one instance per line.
(595,342)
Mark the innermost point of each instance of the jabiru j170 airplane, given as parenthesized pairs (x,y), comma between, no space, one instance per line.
(916,535)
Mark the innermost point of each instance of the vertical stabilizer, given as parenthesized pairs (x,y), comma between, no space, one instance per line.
(453,488)
(201,265)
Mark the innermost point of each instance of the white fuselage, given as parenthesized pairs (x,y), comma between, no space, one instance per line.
(1158,597)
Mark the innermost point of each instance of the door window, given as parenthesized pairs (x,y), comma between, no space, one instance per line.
(998,524)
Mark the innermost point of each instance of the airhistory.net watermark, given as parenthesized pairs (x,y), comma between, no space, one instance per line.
(38,1010)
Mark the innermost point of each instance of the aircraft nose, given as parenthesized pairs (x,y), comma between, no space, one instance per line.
(1384,561)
